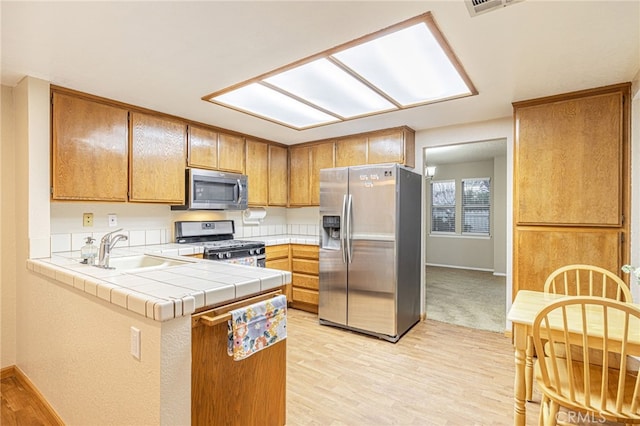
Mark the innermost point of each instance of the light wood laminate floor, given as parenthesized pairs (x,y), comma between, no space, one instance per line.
(437,374)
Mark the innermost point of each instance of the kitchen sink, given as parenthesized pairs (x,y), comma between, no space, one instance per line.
(142,263)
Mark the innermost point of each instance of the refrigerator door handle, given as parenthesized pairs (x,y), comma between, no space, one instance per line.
(343,229)
(348,236)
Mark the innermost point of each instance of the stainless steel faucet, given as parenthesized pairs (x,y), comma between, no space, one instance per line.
(106,244)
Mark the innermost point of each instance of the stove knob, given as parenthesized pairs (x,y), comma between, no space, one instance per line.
(220,255)
(252,252)
(228,254)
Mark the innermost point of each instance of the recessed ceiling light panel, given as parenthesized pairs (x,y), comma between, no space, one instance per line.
(259,100)
(324,84)
(402,66)
(409,65)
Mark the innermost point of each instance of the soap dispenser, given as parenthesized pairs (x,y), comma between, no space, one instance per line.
(89,252)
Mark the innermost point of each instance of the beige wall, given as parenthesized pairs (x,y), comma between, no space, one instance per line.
(7,231)
(460,251)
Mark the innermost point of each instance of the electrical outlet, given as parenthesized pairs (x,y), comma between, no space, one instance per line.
(135,342)
(113,219)
(87,219)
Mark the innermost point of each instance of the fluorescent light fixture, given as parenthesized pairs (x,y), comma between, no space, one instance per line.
(403,66)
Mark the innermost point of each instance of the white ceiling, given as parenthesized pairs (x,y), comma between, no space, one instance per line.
(166,55)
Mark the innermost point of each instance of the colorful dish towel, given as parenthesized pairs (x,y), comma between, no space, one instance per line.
(257,326)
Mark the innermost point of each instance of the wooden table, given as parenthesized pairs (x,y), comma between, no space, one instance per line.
(522,313)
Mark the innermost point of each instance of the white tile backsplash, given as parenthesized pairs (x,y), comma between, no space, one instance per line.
(137,238)
(60,242)
(153,236)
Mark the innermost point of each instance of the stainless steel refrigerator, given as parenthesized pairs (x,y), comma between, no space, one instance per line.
(370,249)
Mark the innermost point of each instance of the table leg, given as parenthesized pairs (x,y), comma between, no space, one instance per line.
(528,369)
(519,387)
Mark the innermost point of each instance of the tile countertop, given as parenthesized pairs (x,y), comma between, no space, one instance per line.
(273,240)
(161,294)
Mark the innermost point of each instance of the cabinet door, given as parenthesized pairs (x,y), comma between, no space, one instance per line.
(322,157)
(257,168)
(278,173)
(158,159)
(539,250)
(299,176)
(230,153)
(351,151)
(203,148)
(386,147)
(89,150)
(569,162)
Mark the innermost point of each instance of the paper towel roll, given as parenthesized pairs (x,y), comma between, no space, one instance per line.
(254,215)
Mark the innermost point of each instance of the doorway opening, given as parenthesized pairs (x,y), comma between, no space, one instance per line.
(466,232)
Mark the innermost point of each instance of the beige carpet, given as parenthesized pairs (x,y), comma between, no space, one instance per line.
(474,299)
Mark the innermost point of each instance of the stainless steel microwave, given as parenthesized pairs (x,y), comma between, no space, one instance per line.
(211,190)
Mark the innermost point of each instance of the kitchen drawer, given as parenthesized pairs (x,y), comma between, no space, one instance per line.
(305,266)
(306,281)
(304,251)
(306,296)
(281,264)
(277,252)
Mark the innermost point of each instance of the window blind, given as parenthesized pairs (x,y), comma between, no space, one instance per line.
(476,206)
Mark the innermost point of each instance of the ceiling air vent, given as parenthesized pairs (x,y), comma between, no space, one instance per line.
(478,7)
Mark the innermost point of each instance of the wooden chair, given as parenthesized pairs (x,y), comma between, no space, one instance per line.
(587,280)
(579,280)
(597,391)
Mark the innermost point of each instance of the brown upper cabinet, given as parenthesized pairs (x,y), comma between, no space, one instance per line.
(105,150)
(266,169)
(89,150)
(395,145)
(257,171)
(571,183)
(351,151)
(304,174)
(157,159)
(210,149)
(278,175)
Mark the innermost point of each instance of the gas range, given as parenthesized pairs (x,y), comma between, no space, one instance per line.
(216,238)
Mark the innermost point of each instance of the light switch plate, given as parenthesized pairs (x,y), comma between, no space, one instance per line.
(135,342)
(113,219)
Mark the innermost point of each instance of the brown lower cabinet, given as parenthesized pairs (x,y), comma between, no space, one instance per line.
(251,391)
(304,277)
(278,257)
(302,261)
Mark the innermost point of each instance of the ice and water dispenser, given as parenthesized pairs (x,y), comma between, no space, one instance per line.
(331,232)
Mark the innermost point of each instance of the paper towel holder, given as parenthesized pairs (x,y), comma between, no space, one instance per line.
(254,215)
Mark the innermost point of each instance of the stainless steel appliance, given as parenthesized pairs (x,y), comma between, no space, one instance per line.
(212,190)
(216,237)
(370,249)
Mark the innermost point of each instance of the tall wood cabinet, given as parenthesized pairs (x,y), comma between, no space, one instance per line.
(157,159)
(89,150)
(571,183)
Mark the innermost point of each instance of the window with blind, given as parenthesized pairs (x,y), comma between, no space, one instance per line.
(476,206)
(443,206)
